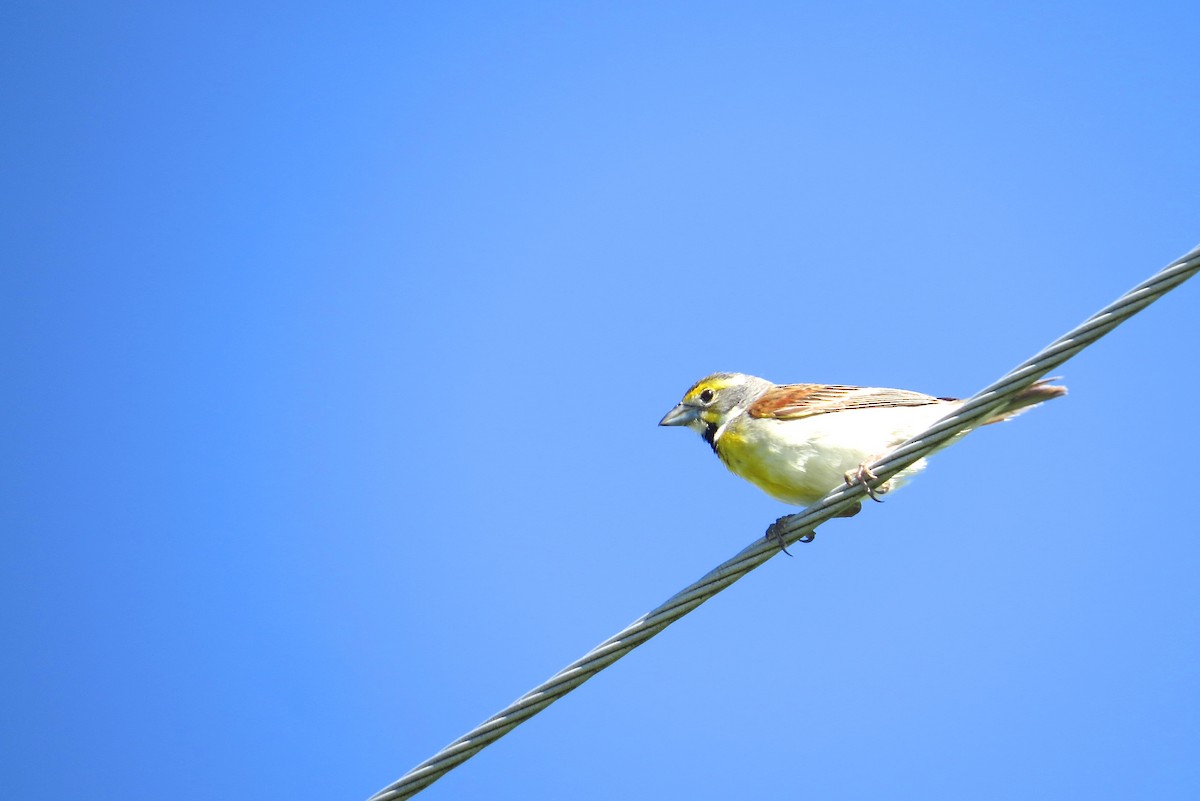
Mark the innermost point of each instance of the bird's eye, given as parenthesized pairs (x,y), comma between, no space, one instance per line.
(706,396)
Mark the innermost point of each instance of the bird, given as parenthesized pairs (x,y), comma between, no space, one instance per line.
(796,442)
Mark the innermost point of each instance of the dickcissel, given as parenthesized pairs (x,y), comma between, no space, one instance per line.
(796,442)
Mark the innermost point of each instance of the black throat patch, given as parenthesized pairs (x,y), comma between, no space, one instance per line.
(710,436)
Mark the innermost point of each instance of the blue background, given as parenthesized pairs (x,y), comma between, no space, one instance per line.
(335,337)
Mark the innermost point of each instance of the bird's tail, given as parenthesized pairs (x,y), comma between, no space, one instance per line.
(1027,398)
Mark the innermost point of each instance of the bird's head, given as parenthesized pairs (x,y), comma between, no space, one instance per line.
(715,400)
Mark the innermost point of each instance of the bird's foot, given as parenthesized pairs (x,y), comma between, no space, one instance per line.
(865,475)
(775,533)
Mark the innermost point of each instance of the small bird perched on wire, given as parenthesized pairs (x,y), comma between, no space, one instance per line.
(796,442)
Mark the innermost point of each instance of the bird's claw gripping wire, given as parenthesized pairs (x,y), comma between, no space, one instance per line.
(775,531)
(865,475)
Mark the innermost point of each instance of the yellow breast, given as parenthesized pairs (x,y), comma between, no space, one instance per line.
(757,452)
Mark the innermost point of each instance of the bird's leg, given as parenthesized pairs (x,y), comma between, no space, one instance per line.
(775,533)
(865,475)
(775,530)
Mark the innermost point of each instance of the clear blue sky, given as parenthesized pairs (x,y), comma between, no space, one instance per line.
(335,337)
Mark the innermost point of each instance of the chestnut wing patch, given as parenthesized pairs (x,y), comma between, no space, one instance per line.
(792,401)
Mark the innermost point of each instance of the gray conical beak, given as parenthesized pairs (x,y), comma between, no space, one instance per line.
(681,415)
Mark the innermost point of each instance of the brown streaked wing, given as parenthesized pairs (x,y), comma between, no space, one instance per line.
(792,401)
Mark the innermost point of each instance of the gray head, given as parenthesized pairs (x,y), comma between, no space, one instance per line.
(714,400)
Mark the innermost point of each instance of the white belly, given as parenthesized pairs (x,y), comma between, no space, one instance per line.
(798,461)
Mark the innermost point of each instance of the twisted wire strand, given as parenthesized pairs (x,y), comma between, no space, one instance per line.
(971,414)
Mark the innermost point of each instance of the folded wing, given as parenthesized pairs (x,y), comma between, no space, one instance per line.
(793,401)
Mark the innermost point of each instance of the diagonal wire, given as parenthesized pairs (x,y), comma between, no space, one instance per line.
(971,414)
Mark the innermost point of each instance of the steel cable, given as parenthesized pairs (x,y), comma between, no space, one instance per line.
(968,416)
